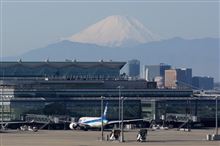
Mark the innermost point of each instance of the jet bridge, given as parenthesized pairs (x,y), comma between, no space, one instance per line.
(180,117)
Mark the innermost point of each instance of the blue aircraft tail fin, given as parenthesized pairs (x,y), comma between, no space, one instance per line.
(105,111)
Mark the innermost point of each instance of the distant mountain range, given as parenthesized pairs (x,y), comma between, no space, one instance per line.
(123,38)
(200,54)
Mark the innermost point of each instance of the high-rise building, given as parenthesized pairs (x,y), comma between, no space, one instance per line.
(180,77)
(133,68)
(184,77)
(156,73)
(170,78)
(153,71)
(203,83)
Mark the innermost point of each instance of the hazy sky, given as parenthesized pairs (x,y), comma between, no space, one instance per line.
(30,25)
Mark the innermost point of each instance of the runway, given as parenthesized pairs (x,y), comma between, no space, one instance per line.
(92,138)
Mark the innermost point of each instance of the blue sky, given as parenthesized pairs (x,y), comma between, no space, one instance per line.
(30,25)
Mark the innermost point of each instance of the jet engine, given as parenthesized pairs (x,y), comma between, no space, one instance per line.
(73,125)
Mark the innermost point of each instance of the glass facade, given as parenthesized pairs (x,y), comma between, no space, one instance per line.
(133,68)
(16,109)
(184,77)
(80,98)
(75,88)
(53,99)
(204,109)
(203,83)
(69,70)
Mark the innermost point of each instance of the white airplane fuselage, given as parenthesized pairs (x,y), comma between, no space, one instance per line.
(93,121)
(89,122)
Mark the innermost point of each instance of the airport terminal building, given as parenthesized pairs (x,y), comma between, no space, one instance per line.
(75,89)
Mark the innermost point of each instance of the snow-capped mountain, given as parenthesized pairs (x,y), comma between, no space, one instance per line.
(115,31)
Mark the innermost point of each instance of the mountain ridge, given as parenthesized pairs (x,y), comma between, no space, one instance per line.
(200,54)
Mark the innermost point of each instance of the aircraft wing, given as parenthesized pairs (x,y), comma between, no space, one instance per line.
(18,122)
(125,121)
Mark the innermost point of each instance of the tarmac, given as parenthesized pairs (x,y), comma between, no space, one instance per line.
(92,138)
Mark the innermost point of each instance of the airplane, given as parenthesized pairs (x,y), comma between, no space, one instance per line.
(85,123)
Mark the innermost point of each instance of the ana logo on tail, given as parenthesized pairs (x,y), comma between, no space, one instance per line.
(105,111)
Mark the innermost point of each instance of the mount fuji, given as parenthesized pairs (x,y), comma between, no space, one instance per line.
(123,38)
(115,31)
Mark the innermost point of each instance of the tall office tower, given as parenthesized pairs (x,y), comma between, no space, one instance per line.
(180,77)
(203,83)
(155,72)
(170,78)
(133,68)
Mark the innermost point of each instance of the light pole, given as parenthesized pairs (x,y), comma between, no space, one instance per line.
(102,98)
(119,105)
(2,107)
(216,115)
(189,113)
(122,118)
